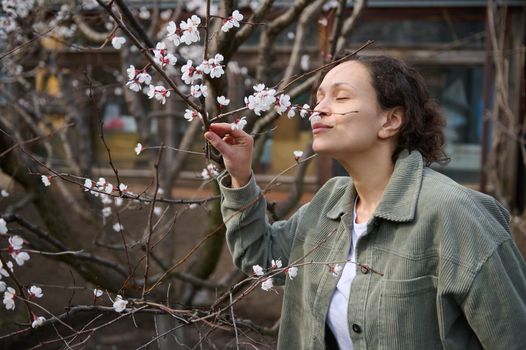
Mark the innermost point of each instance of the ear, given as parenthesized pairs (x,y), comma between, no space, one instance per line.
(393,120)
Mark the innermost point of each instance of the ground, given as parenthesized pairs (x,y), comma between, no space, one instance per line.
(263,308)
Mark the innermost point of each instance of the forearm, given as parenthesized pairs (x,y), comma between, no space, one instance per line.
(251,239)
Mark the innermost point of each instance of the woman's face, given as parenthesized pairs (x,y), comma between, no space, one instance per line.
(350,116)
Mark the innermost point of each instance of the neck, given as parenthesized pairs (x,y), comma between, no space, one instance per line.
(370,177)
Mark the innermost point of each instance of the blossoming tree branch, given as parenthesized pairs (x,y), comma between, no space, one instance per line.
(176,69)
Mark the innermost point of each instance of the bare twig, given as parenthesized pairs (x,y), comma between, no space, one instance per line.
(150,222)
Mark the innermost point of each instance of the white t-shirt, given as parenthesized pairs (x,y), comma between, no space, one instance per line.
(337,317)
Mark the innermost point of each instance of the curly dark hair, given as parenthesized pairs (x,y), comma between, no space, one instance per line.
(399,85)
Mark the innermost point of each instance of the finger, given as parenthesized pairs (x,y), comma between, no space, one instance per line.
(229,139)
(217,142)
(220,129)
(223,129)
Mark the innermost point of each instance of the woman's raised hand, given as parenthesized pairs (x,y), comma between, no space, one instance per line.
(236,146)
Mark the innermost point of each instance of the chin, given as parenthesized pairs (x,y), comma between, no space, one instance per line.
(316,148)
(320,150)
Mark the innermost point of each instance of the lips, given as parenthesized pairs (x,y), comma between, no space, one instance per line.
(319,127)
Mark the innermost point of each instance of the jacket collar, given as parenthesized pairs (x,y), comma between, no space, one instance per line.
(400,195)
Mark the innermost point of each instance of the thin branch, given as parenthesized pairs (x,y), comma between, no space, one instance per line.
(149,57)
(150,222)
(301,30)
(115,171)
(350,23)
(34,139)
(22,293)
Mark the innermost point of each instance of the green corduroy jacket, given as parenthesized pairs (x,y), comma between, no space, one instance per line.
(439,267)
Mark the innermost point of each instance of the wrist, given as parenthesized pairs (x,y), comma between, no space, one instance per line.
(240,181)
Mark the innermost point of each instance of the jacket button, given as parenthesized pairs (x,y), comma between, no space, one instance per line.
(356,328)
(365,269)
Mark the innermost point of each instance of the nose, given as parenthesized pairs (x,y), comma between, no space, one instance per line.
(322,108)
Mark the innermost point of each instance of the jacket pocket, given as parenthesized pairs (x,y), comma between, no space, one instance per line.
(408,316)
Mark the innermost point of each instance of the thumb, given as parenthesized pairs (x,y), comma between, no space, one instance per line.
(217,142)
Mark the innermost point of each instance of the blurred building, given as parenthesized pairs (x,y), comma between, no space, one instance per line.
(445,39)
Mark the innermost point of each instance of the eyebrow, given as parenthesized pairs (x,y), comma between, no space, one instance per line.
(337,85)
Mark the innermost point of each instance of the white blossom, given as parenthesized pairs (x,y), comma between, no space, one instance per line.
(16,242)
(292,271)
(3,285)
(190,74)
(105,199)
(282,103)
(165,15)
(87,184)
(35,292)
(157,211)
(258,270)
(4,193)
(119,305)
(209,172)
(117,42)
(108,188)
(134,85)
(159,92)
(101,182)
(3,227)
(216,67)
(314,117)
(106,212)
(138,148)
(173,34)
(239,123)
(118,201)
(45,180)
(232,21)
(132,72)
(97,292)
(335,270)
(9,298)
(18,9)
(117,227)
(291,112)
(3,272)
(297,154)
(189,114)
(144,78)
(305,110)
(198,90)
(37,322)
(276,264)
(305,62)
(190,30)
(223,101)
(20,257)
(262,100)
(123,187)
(162,56)
(133,79)
(144,13)
(267,284)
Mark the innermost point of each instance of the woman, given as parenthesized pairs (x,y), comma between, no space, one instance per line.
(432,263)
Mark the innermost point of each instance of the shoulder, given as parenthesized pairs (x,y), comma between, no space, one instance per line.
(448,196)
(471,225)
